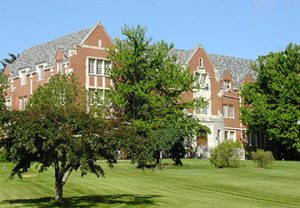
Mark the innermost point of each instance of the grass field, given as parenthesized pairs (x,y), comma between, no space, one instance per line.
(196,184)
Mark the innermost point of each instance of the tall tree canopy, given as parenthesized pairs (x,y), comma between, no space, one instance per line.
(147,94)
(56,131)
(272,103)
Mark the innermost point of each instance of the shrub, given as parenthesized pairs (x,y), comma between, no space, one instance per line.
(226,155)
(3,155)
(264,159)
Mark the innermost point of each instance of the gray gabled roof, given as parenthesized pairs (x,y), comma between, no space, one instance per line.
(182,55)
(45,53)
(238,67)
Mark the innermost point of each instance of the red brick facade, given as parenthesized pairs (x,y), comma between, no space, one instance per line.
(87,61)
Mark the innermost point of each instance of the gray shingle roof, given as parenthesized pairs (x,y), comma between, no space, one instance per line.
(44,53)
(182,55)
(238,67)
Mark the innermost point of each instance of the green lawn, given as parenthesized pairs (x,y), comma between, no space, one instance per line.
(196,184)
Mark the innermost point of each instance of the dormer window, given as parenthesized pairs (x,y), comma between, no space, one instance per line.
(226,85)
(40,72)
(22,75)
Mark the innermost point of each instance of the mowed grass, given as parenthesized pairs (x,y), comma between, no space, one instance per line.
(196,184)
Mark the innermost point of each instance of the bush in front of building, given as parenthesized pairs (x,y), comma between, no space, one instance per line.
(263,159)
(3,155)
(226,155)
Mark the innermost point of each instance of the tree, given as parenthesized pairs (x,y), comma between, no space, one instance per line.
(3,87)
(10,60)
(272,104)
(3,110)
(147,95)
(56,131)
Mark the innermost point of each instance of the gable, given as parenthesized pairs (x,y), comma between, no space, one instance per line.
(59,56)
(227,75)
(97,38)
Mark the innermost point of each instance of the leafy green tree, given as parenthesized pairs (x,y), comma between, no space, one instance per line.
(147,94)
(56,131)
(272,104)
(3,87)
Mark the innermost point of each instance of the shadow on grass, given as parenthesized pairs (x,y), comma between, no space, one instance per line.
(86,201)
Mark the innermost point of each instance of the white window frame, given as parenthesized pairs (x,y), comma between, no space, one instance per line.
(23,77)
(231,113)
(94,71)
(20,103)
(225,111)
(226,85)
(40,69)
(228,134)
(102,66)
(8,102)
(25,101)
(59,67)
(201,79)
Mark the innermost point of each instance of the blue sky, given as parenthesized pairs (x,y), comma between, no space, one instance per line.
(241,28)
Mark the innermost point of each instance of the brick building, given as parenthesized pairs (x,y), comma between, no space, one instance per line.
(84,54)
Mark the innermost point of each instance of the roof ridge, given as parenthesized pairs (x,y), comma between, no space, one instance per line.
(56,39)
(229,56)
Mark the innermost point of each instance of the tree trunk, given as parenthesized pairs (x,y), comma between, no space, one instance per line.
(60,180)
(58,189)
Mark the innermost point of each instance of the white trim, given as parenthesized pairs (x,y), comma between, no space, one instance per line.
(39,70)
(23,81)
(94,47)
(30,86)
(234,128)
(8,102)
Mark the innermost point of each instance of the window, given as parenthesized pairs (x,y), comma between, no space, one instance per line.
(24,102)
(96,97)
(231,111)
(201,80)
(202,110)
(20,103)
(201,62)
(91,66)
(40,72)
(8,102)
(226,85)
(107,67)
(59,66)
(225,111)
(23,77)
(228,111)
(99,70)
(230,134)
(98,66)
